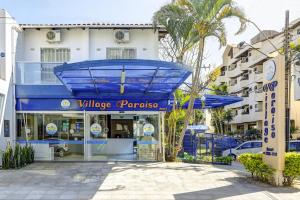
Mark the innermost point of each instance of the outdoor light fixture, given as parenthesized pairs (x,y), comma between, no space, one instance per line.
(123,76)
(122,89)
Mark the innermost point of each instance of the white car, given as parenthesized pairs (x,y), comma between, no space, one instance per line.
(254,146)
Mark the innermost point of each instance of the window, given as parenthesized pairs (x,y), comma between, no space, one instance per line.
(50,58)
(256,144)
(245,146)
(120,53)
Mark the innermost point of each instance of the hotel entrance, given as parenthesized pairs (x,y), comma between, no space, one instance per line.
(91,136)
(103,110)
(122,136)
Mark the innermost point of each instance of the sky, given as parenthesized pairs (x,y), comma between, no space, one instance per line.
(267,14)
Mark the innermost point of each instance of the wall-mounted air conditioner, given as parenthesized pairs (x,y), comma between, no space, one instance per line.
(53,36)
(122,36)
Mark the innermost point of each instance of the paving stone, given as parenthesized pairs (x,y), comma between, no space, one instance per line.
(118,180)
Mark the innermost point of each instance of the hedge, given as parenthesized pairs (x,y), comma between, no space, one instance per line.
(254,164)
(292,168)
(258,169)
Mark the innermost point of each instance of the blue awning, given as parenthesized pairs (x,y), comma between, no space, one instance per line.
(214,101)
(122,78)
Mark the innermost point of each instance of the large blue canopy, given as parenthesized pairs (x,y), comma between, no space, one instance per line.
(214,101)
(122,78)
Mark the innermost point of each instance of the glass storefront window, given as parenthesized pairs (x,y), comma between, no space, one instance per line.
(68,136)
(54,136)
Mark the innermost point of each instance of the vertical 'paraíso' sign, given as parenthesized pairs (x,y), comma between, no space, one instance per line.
(274,115)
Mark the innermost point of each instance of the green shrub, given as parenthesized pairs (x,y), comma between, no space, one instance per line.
(187,157)
(8,158)
(292,168)
(254,164)
(17,157)
(224,160)
(205,158)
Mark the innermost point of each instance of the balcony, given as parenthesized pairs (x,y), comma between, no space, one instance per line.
(221,80)
(258,89)
(245,93)
(232,82)
(258,77)
(233,71)
(36,73)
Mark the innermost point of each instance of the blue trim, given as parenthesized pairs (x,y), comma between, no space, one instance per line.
(50,141)
(97,142)
(146,142)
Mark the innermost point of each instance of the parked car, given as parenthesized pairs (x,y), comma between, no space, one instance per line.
(295,145)
(255,146)
(246,147)
(60,148)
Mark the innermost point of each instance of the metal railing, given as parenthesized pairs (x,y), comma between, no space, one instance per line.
(36,73)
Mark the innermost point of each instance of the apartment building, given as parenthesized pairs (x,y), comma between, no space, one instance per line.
(242,71)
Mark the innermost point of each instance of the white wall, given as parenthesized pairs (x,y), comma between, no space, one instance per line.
(87,44)
(8,37)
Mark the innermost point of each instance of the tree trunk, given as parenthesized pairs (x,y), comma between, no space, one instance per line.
(194,93)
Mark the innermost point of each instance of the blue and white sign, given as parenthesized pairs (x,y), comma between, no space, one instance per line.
(96,129)
(51,128)
(65,104)
(148,129)
(270,69)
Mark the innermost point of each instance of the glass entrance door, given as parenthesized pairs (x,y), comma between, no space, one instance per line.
(96,137)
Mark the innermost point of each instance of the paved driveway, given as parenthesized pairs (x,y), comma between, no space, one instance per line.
(134,181)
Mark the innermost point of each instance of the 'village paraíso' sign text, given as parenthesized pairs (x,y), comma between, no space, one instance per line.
(92,104)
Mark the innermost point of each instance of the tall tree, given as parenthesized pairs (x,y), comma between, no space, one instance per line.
(204,18)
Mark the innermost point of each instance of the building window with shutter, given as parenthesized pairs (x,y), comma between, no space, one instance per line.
(50,58)
(120,53)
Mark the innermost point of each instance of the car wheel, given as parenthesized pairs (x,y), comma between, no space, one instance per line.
(233,156)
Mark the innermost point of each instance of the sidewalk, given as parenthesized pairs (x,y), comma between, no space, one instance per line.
(136,181)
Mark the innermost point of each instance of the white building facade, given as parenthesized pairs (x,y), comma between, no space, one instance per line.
(242,71)
(115,104)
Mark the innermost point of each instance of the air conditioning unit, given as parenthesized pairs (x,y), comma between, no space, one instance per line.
(122,36)
(53,36)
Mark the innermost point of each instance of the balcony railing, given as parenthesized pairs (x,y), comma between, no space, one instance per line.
(232,67)
(245,77)
(36,73)
(259,89)
(245,94)
(232,82)
(245,112)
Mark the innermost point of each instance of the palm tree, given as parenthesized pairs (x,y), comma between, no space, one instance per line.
(206,17)
(228,117)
